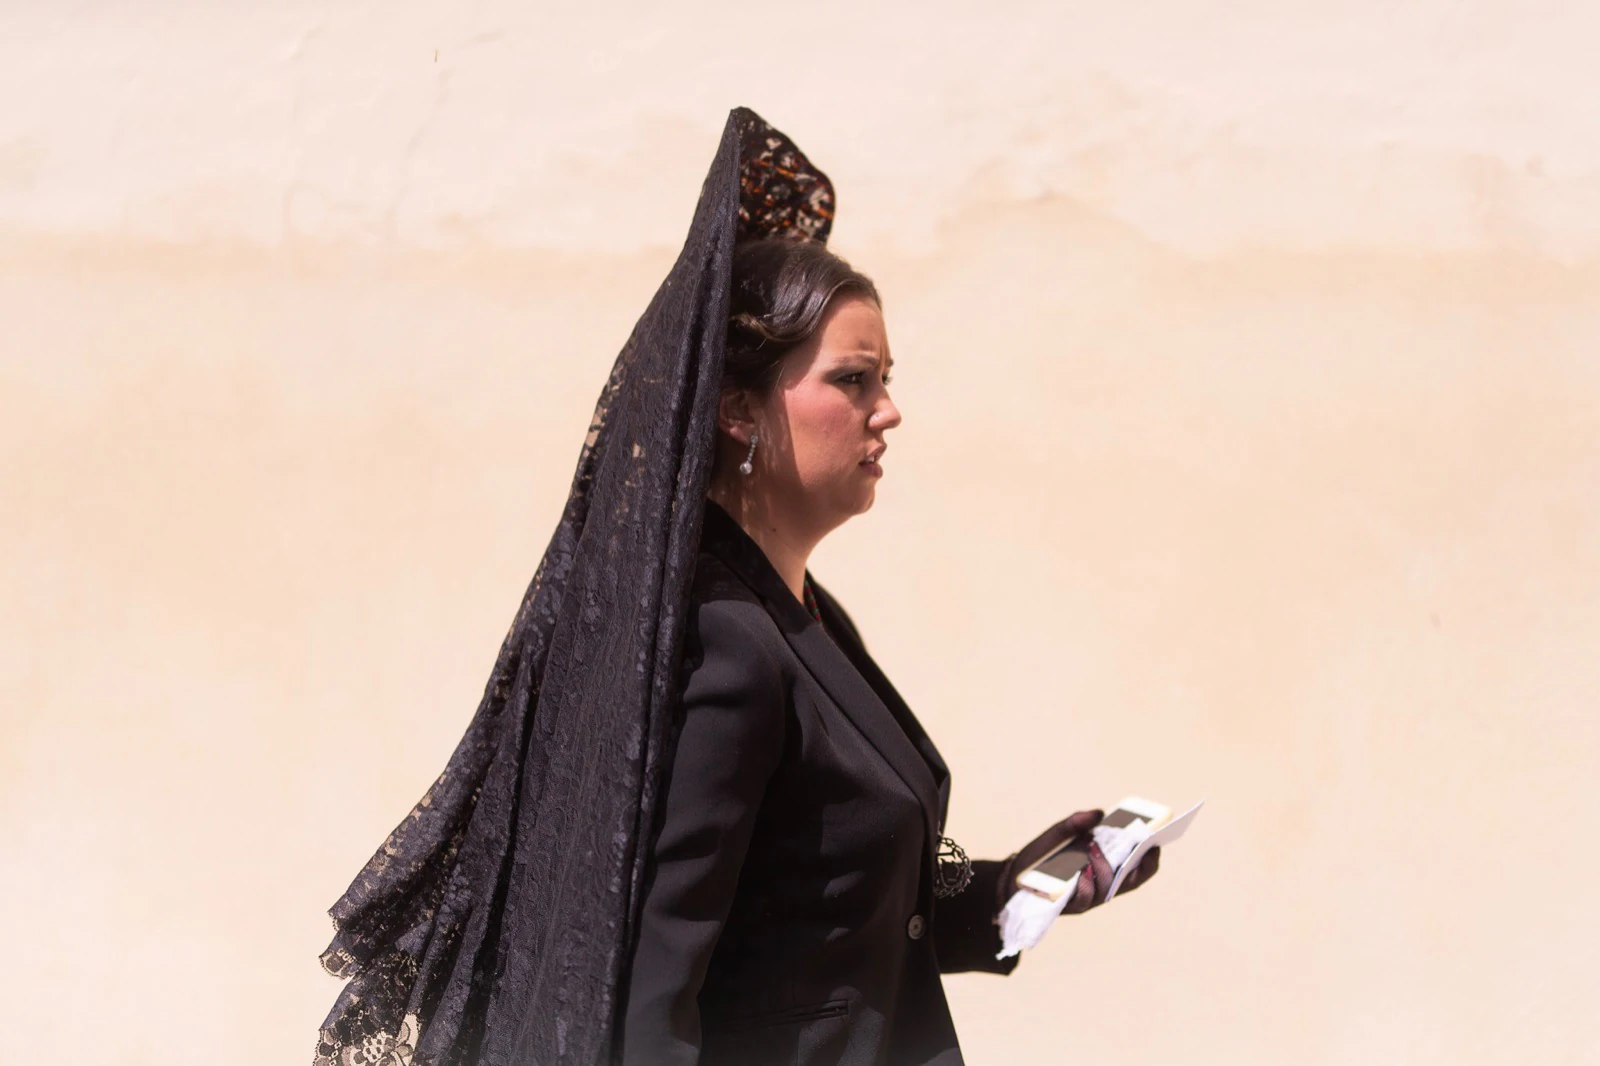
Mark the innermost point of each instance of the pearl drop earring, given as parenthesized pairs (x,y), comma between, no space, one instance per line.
(747,468)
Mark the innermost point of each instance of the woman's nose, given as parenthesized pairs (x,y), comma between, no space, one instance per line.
(887,416)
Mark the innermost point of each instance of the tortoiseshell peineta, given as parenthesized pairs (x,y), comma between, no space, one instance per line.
(780,190)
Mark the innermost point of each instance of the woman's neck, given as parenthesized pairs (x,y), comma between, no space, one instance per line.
(787,550)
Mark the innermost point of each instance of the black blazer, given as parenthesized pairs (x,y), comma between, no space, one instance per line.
(789,914)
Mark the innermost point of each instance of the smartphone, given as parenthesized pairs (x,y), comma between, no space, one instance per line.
(1057,873)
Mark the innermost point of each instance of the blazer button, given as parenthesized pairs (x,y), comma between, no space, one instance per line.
(916,927)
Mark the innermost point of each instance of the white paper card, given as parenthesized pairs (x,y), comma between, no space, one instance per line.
(1169,832)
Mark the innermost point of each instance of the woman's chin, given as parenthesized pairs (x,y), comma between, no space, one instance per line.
(850,500)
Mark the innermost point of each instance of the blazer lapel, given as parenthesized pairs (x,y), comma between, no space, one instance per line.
(840,623)
(833,668)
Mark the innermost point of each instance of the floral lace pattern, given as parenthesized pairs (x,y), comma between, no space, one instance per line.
(490,927)
(374,1049)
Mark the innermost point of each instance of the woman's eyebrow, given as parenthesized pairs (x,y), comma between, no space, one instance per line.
(864,359)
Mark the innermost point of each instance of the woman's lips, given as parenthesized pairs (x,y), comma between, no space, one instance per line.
(871,461)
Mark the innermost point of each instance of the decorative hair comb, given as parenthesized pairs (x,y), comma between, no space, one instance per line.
(780,192)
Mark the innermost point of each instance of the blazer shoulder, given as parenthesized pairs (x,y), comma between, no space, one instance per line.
(727,617)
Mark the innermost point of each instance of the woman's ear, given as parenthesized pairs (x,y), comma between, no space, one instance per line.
(734,416)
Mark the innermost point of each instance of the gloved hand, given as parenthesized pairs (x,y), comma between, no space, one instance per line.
(1095,880)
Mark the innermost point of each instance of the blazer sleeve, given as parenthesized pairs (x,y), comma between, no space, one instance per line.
(965,936)
(729,745)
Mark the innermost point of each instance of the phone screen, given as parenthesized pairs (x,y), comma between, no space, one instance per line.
(1120,818)
(1066,861)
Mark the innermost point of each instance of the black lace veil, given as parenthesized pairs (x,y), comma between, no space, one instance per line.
(494,925)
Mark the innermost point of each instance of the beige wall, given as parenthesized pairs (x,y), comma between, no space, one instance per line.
(1250,363)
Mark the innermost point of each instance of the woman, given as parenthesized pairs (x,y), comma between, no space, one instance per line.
(792,915)
(691,820)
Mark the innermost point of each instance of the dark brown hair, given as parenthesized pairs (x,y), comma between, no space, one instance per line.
(781,290)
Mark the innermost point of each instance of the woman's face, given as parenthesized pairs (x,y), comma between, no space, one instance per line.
(825,419)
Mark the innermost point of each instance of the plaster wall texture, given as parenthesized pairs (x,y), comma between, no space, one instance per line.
(1248,360)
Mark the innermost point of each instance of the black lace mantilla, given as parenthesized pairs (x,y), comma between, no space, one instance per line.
(492,926)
